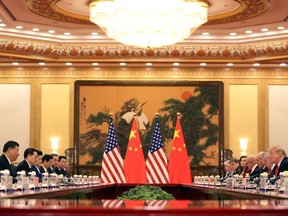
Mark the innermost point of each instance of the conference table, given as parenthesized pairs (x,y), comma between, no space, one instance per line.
(102,199)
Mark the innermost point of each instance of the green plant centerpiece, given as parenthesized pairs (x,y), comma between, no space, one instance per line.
(146,192)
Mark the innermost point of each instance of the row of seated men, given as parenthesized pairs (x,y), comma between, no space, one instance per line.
(273,162)
(34,160)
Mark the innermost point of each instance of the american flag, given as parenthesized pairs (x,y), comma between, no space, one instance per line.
(156,162)
(112,162)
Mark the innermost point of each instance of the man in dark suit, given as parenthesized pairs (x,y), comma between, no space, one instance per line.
(46,164)
(278,156)
(10,154)
(30,155)
(59,169)
(37,165)
(252,167)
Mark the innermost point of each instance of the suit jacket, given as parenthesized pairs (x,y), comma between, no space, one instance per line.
(4,164)
(38,172)
(283,167)
(50,170)
(24,166)
(42,170)
(59,171)
(265,169)
(256,173)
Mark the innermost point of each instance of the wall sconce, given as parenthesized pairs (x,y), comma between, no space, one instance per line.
(243,145)
(54,144)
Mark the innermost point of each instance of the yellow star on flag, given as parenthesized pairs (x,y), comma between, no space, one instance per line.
(132,134)
(176,134)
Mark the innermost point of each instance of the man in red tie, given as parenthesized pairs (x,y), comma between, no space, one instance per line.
(278,156)
(269,164)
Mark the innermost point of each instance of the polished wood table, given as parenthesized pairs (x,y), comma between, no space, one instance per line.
(100,200)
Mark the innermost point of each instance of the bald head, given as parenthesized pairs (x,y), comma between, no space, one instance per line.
(251,161)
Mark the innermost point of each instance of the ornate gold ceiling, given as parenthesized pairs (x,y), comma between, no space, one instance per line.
(64,14)
(245,9)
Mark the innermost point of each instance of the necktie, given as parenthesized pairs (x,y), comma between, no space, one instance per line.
(12,170)
(269,171)
(276,170)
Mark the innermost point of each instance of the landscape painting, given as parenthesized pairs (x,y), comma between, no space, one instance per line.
(200,105)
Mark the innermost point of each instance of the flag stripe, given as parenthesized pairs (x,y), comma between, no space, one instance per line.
(156,161)
(154,169)
(161,164)
(112,163)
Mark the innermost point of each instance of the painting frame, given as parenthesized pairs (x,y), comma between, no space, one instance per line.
(94,169)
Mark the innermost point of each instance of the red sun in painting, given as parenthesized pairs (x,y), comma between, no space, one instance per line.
(186,95)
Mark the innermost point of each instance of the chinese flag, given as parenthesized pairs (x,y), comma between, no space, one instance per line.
(179,166)
(134,164)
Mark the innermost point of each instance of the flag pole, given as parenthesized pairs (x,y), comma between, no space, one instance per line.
(111,115)
(179,115)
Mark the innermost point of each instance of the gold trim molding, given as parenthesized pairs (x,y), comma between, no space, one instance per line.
(57,52)
(144,73)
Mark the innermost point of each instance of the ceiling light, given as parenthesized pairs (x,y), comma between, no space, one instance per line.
(122,64)
(149,64)
(248,32)
(256,64)
(51,31)
(15,63)
(19,27)
(149,23)
(176,64)
(42,63)
(67,33)
(203,64)
(35,29)
(2,25)
(94,33)
(205,33)
(280,27)
(230,64)
(233,33)
(68,63)
(95,64)
(264,30)
(283,64)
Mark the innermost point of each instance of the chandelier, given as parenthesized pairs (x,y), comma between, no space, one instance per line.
(148,23)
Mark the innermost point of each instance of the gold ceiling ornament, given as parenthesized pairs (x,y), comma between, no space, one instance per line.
(148,23)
